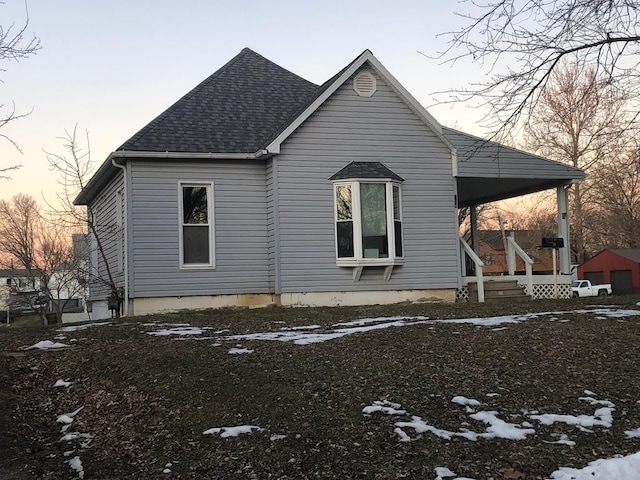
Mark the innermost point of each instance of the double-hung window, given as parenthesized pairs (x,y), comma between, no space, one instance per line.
(368,217)
(196,225)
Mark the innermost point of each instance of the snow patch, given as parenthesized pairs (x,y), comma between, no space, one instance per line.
(226,432)
(77,328)
(61,383)
(384,406)
(633,433)
(178,331)
(239,351)
(602,469)
(76,464)
(46,345)
(460,400)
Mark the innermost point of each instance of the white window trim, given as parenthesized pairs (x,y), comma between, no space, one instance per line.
(210,206)
(358,259)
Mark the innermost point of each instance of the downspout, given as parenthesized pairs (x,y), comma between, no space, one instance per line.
(125,214)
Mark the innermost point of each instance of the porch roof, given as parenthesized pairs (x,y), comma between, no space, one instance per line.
(489,171)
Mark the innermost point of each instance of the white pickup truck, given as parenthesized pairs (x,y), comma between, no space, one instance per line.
(583,288)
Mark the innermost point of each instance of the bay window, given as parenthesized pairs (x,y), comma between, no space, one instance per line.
(368,216)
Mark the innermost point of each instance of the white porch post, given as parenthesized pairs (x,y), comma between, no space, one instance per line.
(563,230)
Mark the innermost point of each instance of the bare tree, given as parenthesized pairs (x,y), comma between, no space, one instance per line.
(578,120)
(15,44)
(521,43)
(616,194)
(74,167)
(40,248)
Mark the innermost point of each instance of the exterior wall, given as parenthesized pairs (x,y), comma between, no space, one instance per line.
(240,229)
(380,128)
(109,220)
(272,211)
(148,306)
(606,262)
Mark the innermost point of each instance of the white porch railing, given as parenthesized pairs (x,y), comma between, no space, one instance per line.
(474,257)
(512,250)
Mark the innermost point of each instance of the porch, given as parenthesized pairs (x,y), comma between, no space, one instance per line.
(487,172)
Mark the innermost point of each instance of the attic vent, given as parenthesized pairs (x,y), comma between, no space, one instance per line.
(365,84)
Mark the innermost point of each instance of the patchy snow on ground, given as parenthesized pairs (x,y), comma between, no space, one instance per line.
(563,439)
(185,330)
(47,345)
(633,433)
(239,351)
(226,432)
(460,400)
(622,468)
(497,428)
(61,383)
(77,328)
(310,334)
(384,406)
(76,464)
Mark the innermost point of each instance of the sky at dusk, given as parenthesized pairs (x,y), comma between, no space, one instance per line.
(111,67)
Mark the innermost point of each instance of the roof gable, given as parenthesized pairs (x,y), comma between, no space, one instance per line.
(235,110)
(329,87)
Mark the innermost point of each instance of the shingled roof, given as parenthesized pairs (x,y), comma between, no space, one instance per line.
(235,110)
(366,170)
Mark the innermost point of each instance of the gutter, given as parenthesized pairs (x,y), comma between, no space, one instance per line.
(210,155)
(125,214)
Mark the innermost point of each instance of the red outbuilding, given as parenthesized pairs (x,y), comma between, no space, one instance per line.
(619,267)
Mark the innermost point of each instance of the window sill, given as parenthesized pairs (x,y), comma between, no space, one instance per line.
(369,262)
(359,264)
(197,267)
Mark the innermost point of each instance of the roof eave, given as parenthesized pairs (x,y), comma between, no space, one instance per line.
(107,169)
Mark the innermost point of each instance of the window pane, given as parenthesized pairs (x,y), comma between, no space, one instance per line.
(373,208)
(194,203)
(345,239)
(195,244)
(343,202)
(397,231)
(396,203)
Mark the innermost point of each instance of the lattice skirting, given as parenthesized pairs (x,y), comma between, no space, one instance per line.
(547,291)
(462,294)
(539,291)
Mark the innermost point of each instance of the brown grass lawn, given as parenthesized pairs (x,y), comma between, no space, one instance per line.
(148,399)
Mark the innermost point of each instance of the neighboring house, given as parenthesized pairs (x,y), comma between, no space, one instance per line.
(259,187)
(619,267)
(18,291)
(21,292)
(492,251)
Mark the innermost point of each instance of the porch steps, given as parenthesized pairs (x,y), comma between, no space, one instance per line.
(497,290)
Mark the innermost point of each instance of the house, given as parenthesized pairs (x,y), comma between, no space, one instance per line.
(18,291)
(493,247)
(22,291)
(619,267)
(259,187)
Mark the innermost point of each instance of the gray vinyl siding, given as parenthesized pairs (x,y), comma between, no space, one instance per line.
(384,129)
(271,223)
(109,221)
(240,229)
